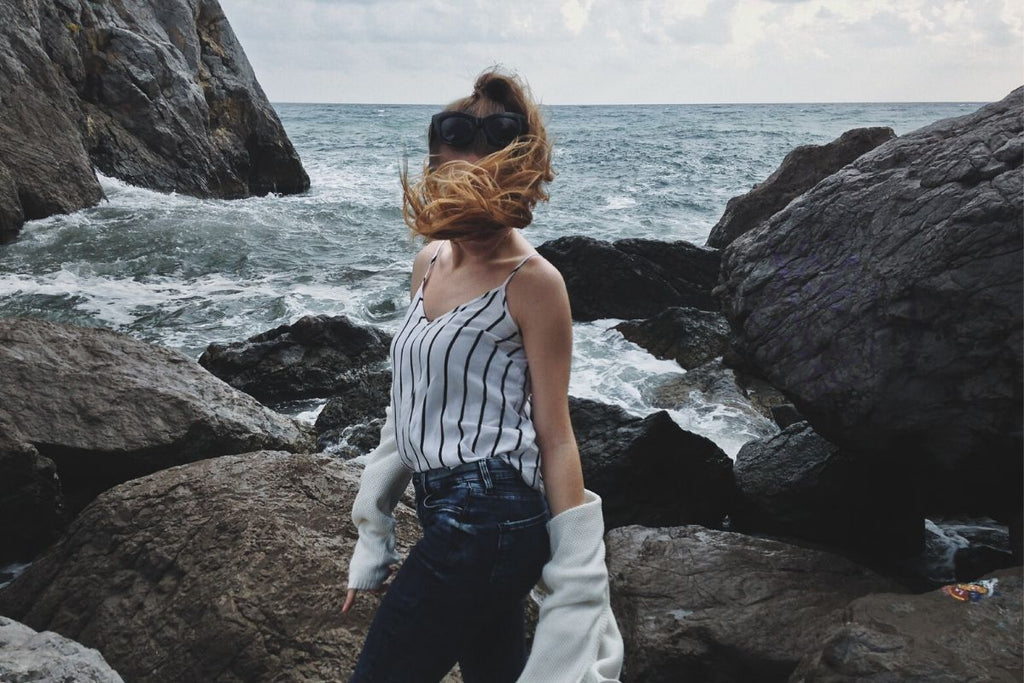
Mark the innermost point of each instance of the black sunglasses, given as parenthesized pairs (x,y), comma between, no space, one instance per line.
(458,129)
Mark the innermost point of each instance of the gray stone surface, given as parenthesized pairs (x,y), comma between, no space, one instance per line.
(632,278)
(931,638)
(800,170)
(160,95)
(29,657)
(316,356)
(700,605)
(648,470)
(231,568)
(106,408)
(41,146)
(688,336)
(887,302)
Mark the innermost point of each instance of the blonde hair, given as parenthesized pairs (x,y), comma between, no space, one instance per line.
(459,198)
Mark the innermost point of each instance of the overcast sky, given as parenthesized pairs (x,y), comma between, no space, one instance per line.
(636,51)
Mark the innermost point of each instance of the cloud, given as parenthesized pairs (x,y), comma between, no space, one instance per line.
(635,50)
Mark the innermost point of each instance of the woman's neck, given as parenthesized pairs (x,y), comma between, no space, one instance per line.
(491,247)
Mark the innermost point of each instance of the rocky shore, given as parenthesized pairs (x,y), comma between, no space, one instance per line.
(160,95)
(868,296)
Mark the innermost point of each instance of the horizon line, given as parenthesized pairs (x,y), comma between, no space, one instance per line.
(653,104)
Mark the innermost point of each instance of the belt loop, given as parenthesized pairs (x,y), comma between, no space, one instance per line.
(485,474)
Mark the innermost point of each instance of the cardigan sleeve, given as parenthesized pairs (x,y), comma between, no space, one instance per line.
(381,486)
(577,639)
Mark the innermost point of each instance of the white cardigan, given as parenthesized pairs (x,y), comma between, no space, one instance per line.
(577,639)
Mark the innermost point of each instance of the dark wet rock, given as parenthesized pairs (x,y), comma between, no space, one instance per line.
(802,169)
(649,471)
(44,163)
(350,424)
(887,303)
(26,655)
(317,356)
(797,485)
(106,408)
(31,501)
(695,604)
(689,336)
(794,483)
(160,95)
(931,637)
(231,568)
(785,415)
(632,278)
(11,213)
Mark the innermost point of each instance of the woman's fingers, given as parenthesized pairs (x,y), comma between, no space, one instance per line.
(349,599)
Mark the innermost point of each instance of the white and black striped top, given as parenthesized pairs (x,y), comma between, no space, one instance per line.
(460,389)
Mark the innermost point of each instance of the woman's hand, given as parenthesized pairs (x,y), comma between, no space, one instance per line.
(350,597)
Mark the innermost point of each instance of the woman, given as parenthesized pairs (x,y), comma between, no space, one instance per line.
(479,411)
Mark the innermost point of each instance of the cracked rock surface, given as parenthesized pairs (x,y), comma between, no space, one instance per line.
(228,569)
(887,303)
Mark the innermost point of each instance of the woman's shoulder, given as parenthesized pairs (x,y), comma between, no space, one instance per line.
(538,288)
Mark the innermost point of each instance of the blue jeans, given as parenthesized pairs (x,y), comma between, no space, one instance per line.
(458,597)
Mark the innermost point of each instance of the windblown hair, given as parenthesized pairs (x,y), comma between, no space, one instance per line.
(459,198)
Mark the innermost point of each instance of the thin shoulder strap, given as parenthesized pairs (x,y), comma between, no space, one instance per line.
(519,265)
(430,265)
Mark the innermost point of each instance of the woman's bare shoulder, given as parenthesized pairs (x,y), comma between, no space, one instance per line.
(419,265)
(537,288)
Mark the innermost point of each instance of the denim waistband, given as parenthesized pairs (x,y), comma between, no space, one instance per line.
(485,472)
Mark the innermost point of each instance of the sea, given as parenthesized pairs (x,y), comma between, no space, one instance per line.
(183,272)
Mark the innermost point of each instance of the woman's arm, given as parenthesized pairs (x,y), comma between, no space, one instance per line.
(540,306)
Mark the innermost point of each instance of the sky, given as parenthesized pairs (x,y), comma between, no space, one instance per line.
(635,51)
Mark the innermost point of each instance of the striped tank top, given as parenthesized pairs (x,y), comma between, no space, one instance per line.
(460,389)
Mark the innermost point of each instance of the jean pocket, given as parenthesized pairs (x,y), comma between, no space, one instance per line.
(452,501)
(523,550)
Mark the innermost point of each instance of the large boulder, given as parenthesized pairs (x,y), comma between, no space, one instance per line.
(688,336)
(160,95)
(887,302)
(933,637)
(802,169)
(317,356)
(44,163)
(231,568)
(26,655)
(106,408)
(349,424)
(700,605)
(632,278)
(648,470)
(31,501)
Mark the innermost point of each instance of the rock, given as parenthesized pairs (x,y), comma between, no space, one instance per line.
(31,501)
(106,408)
(11,213)
(887,303)
(649,471)
(317,356)
(689,336)
(29,656)
(700,605)
(802,169)
(930,637)
(231,568)
(159,95)
(44,166)
(350,424)
(797,485)
(632,278)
